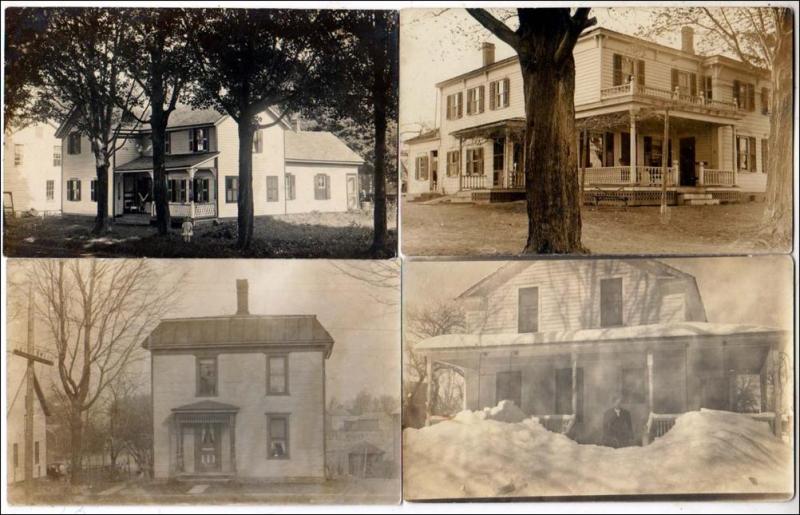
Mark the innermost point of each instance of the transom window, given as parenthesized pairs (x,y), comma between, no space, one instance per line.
(207,376)
(277,436)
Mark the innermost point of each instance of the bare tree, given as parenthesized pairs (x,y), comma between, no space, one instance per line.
(382,277)
(97,314)
(762,38)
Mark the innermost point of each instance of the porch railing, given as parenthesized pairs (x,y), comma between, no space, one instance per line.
(632,88)
(621,175)
(557,423)
(653,175)
(180,210)
(715,177)
(516,179)
(205,210)
(184,210)
(658,424)
(473,182)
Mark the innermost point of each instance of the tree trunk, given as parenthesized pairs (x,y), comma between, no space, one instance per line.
(778,210)
(245,200)
(76,443)
(551,164)
(101,196)
(158,125)
(379,94)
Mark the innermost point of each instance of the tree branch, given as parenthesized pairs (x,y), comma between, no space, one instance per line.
(495,26)
(577,24)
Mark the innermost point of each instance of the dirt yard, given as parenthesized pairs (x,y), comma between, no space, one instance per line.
(501,229)
(312,235)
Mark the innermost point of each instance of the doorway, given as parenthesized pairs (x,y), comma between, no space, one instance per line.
(564,392)
(137,193)
(508,387)
(687,160)
(352,191)
(207,439)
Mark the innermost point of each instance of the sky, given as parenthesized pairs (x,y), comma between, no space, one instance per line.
(364,322)
(436,44)
(739,290)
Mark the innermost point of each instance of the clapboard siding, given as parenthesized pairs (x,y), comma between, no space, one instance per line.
(423,148)
(569,298)
(588,69)
(27,181)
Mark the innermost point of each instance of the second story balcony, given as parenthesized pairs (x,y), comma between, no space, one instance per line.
(674,99)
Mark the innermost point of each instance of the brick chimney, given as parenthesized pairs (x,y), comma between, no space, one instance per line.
(487,51)
(241,297)
(687,39)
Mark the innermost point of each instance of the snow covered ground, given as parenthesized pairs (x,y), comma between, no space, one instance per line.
(500,452)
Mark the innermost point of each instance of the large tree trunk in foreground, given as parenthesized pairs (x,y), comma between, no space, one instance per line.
(245,201)
(158,125)
(551,164)
(76,444)
(101,196)
(379,123)
(778,211)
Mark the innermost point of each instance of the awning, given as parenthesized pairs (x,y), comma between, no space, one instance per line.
(205,412)
(516,126)
(206,407)
(171,162)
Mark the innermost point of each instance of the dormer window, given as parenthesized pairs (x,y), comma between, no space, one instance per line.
(528,310)
(611,302)
(198,139)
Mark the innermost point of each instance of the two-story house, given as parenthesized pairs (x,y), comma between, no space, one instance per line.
(561,339)
(32,169)
(718,113)
(293,171)
(239,396)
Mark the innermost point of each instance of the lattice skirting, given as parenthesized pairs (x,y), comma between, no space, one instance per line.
(633,198)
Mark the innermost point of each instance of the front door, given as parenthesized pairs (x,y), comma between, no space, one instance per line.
(352,191)
(207,439)
(508,387)
(688,177)
(564,392)
(137,192)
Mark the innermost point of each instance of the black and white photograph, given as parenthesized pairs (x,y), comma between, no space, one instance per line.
(214,132)
(260,382)
(569,378)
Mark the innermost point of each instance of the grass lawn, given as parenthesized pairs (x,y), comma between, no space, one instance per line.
(312,235)
(500,229)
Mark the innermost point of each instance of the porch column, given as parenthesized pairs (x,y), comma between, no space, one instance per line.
(777,385)
(735,156)
(428,400)
(650,403)
(676,172)
(178,428)
(633,145)
(232,430)
(460,163)
(574,358)
(507,157)
(701,174)
(190,188)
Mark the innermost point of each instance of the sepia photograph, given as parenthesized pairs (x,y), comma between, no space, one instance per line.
(622,130)
(258,382)
(179,132)
(595,378)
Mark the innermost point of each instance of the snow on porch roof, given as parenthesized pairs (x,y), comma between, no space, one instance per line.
(684,330)
(171,162)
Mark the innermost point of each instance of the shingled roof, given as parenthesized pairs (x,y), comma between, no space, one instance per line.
(318,146)
(171,162)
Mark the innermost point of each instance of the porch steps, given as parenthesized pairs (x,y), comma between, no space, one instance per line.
(697,199)
(462,197)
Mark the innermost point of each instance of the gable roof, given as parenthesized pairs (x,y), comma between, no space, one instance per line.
(318,147)
(424,136)
(239,331)
(171,162)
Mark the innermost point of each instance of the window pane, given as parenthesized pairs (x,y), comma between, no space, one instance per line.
(528,310)
(610,302)
(207,376)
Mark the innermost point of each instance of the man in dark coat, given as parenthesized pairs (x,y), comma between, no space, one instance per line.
(617,428)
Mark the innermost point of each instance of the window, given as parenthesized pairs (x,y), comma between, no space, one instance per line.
(198,139)
(563,392)
(74,143)
(206,377)
(455,105)
(202,189)
(257,142)
(499,154)
(764,155)
(50,190)
(74,190)
(36,453)
(746,153)
(764,101)
(19,151)
(168,143)
(453,163)
(685,82)
(322,187)
(277,437)
(272,188)
(176,190)
(93,190)
(528,310)
(653,151)
(57,155)
(499,94)
(633,385)
(626,68)
(744,94)
(508,387)
(611,302)
(708,89)
(277,375)
(475,161)
(475,99)
(291,188)
(421,168)
(231,189)
(625,149)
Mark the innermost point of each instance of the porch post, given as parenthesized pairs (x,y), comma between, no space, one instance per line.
(179,444)
(190,188)
(650,403)
(507,157)
(777,386)
(633,146)
(735,156)
(701,174)
(428,400)
(460,163)
(574,358)
(233,442)
(676,172)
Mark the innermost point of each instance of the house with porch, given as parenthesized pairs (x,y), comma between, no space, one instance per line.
(294,171)
(561,339)
(239,396)
(628,91)
(32,170)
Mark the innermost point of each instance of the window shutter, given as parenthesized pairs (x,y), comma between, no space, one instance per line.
(752,148)
(764,155)
(617,70)
(640,72)
(736,94)
(751,97)
(191,140)
(327,187)
(460,103)
(492,94)
(764,101)
(78,190)
(674,79)
(481,95)
(693,84)
(738,153)
(506,91)
(470,100)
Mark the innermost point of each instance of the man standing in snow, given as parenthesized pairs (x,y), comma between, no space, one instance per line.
(617,428)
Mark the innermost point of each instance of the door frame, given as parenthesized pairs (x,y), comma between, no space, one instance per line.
(684,178)
(199,467)
(356,203)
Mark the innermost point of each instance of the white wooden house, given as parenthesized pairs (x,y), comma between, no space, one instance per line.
(293,171)
(15,421)
(561,339)
(239,396)
(32,169)
(718,124)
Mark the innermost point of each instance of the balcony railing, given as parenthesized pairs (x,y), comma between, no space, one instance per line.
(634,89)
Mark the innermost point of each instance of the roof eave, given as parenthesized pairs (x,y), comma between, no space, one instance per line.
(321,161)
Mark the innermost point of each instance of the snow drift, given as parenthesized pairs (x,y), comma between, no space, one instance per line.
(500,452)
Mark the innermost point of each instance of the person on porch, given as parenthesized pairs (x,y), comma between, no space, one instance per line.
(617,428)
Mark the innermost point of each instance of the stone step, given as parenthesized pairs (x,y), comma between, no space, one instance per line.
(701,202)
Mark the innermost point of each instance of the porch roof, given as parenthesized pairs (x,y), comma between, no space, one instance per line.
(171,162)
(206,407)
(491,129)
(679,331)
